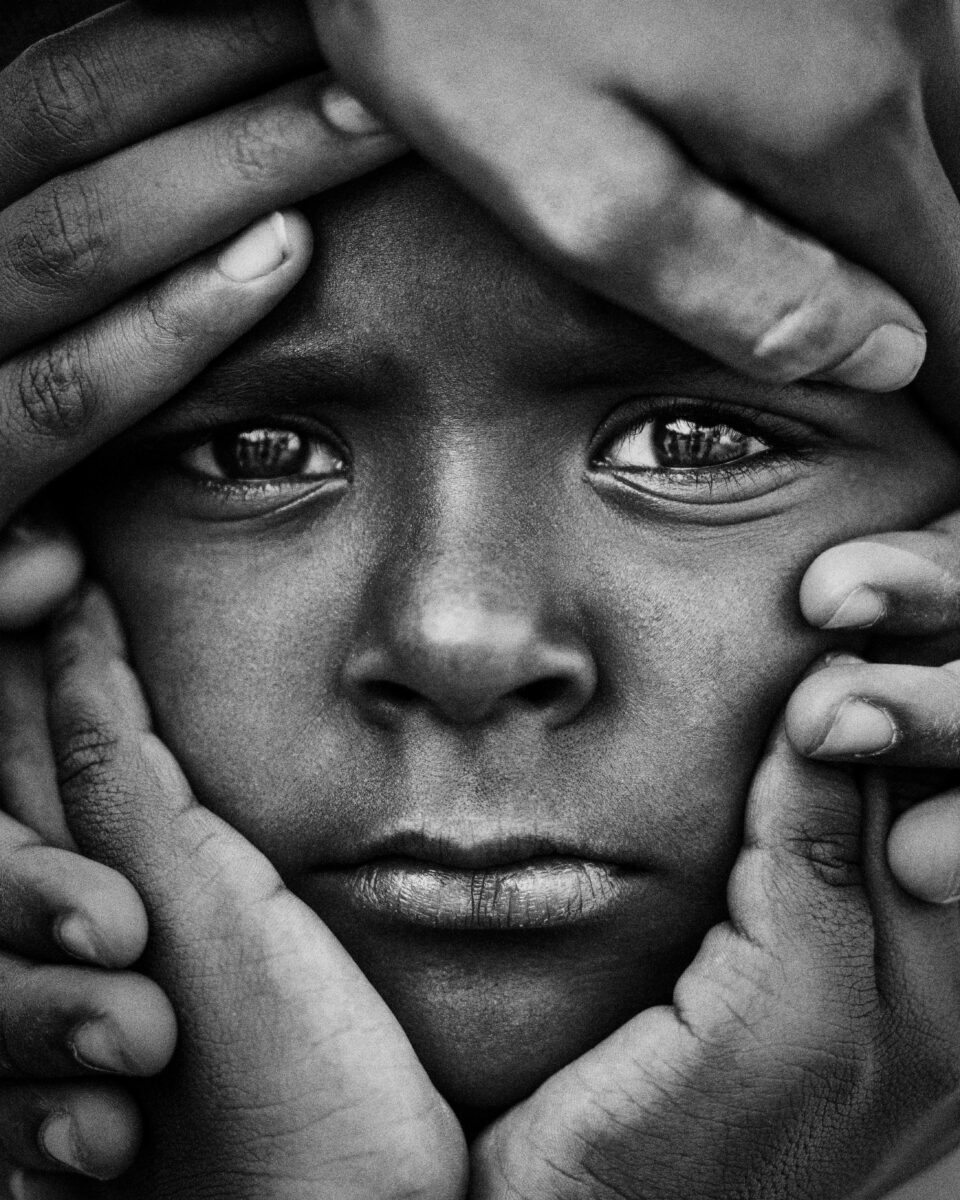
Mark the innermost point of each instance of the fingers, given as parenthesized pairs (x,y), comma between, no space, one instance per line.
(58,1022)
(924,849)
(613,202)
(893,583)
(57,906)
(887,714)
(40,566)
(90,1129)
(59,403)
(82,240)
(798,879)
(28,778)
(123,791)
(133,71)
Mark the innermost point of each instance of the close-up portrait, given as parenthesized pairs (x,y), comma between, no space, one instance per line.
(480,600)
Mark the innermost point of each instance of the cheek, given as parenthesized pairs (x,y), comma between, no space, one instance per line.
(236,653)
(702,651)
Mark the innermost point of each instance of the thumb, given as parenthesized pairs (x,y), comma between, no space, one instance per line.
(287,1055)
(799,880)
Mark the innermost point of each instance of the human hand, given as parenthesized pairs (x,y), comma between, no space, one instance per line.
(642,146)
(130,146)
(902,592)
(291,1076)
(812,1047)
(74,1017)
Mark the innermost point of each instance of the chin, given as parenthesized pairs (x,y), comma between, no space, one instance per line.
(491,1017)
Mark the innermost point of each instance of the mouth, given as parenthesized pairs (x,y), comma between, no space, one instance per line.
(540,893)
(520,883)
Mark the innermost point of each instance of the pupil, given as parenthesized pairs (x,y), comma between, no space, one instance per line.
(261,453)
(684,443)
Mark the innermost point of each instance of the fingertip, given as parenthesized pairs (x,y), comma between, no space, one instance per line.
(99,1135)
(839,589)
(272,252)
(37,575)
(923,850)
(109,925)
(888,359)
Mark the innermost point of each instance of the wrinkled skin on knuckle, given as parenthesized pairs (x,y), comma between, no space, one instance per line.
(55,395)
(64,105)
(256,143)
(166,323)
(63,240)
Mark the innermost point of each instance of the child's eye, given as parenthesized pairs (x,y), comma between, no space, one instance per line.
(700,452)
(263,454)
(679,443)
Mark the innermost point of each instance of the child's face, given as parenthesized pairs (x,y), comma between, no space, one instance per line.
(475,621)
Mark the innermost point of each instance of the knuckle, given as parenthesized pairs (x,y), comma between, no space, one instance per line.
(64,236)
(55,393)
(255,142)
(165,325)
(618,216)
(64,103)
(85,752)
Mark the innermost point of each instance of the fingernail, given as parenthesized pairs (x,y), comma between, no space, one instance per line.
(257,252)
(344,112)
(76,936)
(862,608)
(95,1045)
(58,1141)
(888,359)
(859,730)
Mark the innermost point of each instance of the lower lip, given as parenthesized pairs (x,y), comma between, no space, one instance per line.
(544,893)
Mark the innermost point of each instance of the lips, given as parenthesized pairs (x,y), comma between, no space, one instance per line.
(438,882)
(541,893)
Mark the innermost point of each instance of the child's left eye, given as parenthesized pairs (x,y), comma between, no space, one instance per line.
(679,443)
(262,454)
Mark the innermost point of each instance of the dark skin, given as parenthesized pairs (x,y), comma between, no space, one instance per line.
(326,707)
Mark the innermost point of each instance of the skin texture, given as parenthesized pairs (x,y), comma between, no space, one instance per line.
(122,931)
(297,647)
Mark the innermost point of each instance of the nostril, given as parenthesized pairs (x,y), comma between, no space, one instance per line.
(543,693)
(386,692)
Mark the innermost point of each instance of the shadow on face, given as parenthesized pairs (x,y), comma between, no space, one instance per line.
(470,600)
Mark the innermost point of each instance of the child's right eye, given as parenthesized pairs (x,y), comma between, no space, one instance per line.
(263,454)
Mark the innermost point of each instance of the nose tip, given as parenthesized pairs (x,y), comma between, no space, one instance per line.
(470,666)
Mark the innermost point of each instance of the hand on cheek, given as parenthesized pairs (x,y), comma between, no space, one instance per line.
(907,586)
(292,1078)
(810,1037)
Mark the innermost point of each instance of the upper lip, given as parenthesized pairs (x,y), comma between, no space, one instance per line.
(452,850)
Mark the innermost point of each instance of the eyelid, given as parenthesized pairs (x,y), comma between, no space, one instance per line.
(775,430)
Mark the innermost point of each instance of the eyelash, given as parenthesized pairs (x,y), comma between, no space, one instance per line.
(787,442)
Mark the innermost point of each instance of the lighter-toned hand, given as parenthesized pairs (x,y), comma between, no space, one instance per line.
(643,146)
(292,1078)
(811,1050)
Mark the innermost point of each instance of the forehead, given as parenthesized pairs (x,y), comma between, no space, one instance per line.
(405,260)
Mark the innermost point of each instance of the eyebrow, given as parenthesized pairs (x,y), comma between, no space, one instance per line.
(297,376)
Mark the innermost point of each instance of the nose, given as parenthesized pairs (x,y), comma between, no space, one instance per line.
(469,660)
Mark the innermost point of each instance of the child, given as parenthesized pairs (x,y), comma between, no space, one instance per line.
(569,693)
(468,600)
